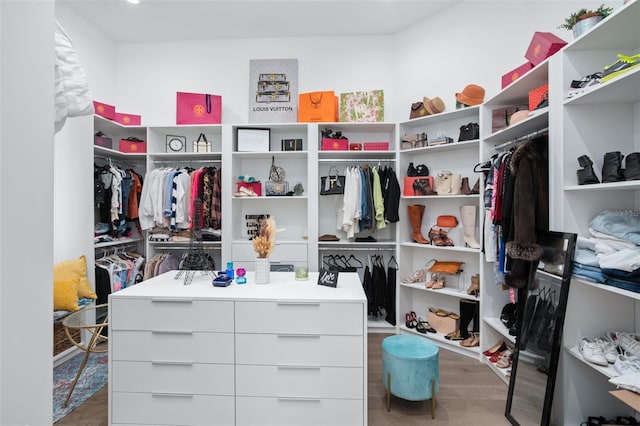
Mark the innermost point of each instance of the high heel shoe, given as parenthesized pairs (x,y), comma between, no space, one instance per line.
(434,236)
(432,281)
(411,320)
(474,288)
(440,281)
(498,347)
(417,277)
(471,341)
(444,236)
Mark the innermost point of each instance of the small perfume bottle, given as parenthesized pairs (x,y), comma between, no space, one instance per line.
(240,276)
(229,270)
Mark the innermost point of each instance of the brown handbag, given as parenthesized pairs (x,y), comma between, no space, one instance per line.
(445,267)
(447,221)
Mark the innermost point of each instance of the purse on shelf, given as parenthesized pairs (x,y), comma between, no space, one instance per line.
(421,170)
(276,173)
(469,132)
(332,183)
(447,183)
(445,267)
(417,110)
(414,141)
(447,221)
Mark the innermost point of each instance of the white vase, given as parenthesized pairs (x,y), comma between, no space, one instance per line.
(262,270)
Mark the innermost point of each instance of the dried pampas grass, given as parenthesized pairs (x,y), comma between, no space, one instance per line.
(264,242)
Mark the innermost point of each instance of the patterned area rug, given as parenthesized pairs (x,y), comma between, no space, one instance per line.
(93,378)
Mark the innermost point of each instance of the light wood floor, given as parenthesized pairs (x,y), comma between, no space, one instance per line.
(470,394)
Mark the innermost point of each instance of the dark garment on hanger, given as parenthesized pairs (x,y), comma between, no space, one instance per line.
(367,285)
(391,193)
(103,285)
(379,286)
(390,300)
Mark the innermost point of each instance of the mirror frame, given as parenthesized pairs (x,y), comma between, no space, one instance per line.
(560,309)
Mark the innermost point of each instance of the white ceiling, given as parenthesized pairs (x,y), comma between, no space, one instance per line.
(166,20)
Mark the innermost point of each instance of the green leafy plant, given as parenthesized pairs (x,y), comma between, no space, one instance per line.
(581,14)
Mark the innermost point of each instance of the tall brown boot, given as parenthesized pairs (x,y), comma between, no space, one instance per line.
(416,211)
(465,186)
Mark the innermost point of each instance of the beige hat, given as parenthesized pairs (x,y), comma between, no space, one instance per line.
(518,116)
(472,94)
(434,105)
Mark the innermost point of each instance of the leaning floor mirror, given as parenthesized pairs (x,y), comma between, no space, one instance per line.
(541,310)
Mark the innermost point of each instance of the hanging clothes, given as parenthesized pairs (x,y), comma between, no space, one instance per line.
(390,299)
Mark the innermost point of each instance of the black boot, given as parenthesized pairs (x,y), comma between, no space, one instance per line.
(586,175)
(632,169)
(612,167)
(468,312)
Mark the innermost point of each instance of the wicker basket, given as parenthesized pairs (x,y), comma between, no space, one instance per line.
(60,340)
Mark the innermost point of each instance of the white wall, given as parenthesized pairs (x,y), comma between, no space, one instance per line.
(26,200)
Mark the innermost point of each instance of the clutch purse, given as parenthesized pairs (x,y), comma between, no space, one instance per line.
(447,221)
(445,267)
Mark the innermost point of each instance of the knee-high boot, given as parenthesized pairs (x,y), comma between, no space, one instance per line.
(469,311)
(416,211)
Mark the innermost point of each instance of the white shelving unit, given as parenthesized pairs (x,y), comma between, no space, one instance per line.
(603,120)
(459,158)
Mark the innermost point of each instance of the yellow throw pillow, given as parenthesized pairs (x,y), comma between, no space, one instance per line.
(75,269)
(65,295)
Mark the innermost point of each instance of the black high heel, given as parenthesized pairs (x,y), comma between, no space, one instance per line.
(586,175)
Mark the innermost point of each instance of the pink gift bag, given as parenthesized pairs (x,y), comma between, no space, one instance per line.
(198,108)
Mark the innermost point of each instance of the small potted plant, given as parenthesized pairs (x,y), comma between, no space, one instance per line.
(584,19)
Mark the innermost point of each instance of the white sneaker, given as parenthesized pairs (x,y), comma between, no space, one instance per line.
(626,364)
(609,348)
(592,351)
(629,343)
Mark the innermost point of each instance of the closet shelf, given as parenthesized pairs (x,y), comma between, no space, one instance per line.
(356,156)
(498,326)
(461,114)
(473,144)
(611,186)
(185,156)
(268,154)
(419,197)
(621,90)
(349,245)
(118,242)
(117,154)
(603,287)
(608,371)
(630,398)
(447,291)
(529,125)
(428,246)
(452,345)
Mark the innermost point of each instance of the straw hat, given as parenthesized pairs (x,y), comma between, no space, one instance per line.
(472,94)
(434,105)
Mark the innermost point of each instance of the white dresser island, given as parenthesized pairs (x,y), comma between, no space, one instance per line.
(284,353)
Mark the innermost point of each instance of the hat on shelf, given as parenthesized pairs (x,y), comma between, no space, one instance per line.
(518,116)
(433,106)
(472,94)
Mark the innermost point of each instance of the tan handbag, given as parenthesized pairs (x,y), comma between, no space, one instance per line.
(447,183)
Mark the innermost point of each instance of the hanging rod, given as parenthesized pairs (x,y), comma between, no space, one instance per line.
(358,160)
(185,161)
(522,138)
(185,247)
(355,249)
(116,160)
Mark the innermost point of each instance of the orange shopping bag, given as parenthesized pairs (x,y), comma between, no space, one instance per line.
(317,107)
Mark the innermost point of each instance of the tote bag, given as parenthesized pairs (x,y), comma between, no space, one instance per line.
(198,108)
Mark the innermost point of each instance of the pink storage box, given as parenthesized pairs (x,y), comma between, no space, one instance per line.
(515,74)
(104,110)
(133,147)
(103,142)
(542,46)
(329,144)
(255,186)
(376,146)
(128,119)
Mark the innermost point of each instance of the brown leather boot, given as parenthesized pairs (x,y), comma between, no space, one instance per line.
(465,186)
(416,211)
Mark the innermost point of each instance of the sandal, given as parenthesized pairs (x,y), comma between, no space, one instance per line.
(471,341)
(505,359)
(454,335)
(417,277)
(439,283)
(426,326)
(432,281)
(411,320)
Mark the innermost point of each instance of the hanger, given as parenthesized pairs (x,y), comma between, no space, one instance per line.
(392,263)
(355,259)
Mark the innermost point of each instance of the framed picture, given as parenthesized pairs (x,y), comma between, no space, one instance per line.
(253,139)
(273,90)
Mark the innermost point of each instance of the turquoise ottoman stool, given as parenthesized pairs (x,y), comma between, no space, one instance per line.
(410,369)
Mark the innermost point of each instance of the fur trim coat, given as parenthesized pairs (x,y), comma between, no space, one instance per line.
(529,168)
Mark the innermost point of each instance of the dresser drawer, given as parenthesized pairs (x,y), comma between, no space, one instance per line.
(296,381)
(172,377)
(251,411)
(171,314)
(291,349)
(158,346)
(299,318)
(282,252)
(172,409)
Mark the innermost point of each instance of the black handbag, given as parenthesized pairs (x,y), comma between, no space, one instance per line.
(421,170)
(332,183)
(469,132)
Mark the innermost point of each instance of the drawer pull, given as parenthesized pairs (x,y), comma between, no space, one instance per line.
(297,367)
(172,394)
(298,304)
(171,332)
(169,300)
(299,399)
(315,336)
(184,363)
